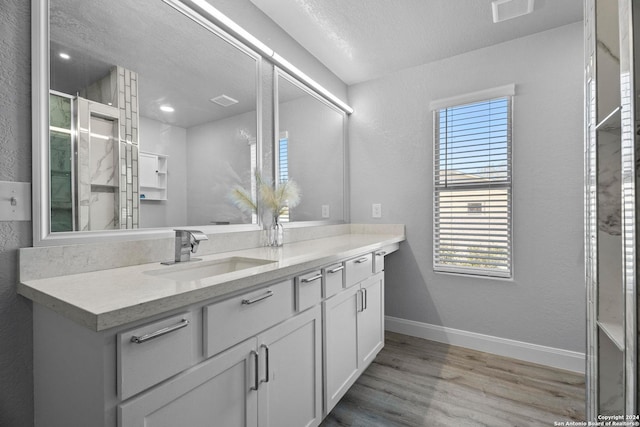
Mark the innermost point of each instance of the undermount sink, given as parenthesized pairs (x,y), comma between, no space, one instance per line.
(196,270)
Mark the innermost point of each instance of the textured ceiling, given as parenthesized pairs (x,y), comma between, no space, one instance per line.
(178,62)
(363,39)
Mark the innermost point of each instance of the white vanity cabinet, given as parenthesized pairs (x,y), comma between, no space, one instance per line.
(271,380)
(290,380)
(277,355)
(215,392)
(370,320)
(353,328)
(340,344)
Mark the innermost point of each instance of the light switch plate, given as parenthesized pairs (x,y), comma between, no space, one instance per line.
(15,201)
(325,211)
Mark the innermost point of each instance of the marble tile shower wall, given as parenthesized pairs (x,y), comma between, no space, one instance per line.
(83,166)
(121,210)
(128,105)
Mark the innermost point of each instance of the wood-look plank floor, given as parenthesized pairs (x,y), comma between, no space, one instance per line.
(415,382)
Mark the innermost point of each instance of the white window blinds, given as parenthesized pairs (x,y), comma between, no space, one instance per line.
(472,188)
(283,167)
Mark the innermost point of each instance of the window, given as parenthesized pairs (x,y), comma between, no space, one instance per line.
(472,187)
(283,167)
(253,153)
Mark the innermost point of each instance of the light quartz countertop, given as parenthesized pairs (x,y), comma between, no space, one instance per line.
(109,298)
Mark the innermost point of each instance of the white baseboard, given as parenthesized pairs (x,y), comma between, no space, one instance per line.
(555,357)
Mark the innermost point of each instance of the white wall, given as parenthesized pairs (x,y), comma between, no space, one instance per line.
(218,157)
(391,137)
(161,138)
(316,160)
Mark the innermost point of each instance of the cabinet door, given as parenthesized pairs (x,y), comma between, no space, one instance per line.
(291,376)
(218,392)
(148,170)
(341,344)
(371,320)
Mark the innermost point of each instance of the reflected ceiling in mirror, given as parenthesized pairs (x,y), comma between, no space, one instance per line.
(153,117)
(311,151)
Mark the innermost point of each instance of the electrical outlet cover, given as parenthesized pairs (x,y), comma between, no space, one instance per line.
(376,210)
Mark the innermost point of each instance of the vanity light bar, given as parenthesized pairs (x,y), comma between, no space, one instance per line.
(294,71)
(223,21)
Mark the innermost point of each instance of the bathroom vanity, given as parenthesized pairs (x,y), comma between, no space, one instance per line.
(255,337)
(248,335)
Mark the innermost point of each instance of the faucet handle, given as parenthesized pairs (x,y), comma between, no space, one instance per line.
(195,237)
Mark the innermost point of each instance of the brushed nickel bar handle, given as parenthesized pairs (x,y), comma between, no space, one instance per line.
(381,253)
(312,279)
(361,309)
(256,381)
(160,332)
(257,299)
(266,363)
(365,297)
(361,260)
(335,270)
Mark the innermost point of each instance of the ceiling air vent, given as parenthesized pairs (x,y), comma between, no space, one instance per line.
(508,9)
(224,100)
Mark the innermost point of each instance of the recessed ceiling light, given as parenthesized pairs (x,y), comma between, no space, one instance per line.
(64,55)
(224,100)
(167,108)
(508,9)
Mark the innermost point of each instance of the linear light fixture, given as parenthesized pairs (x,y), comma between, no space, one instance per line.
(291,69)
(223,21)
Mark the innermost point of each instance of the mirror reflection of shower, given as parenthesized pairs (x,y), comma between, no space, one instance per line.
(94,155)
(185,127)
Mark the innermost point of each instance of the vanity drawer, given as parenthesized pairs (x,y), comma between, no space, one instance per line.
(358,269)
(378,260)
(378,256)
(308,290)
(333,279)
(152,353)
(231,321)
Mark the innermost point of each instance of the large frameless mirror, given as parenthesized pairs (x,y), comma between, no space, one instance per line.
(310,150)
(150,119)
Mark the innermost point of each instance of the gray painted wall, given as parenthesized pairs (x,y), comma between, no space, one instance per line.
(16,378)
(391,156)
(16,382)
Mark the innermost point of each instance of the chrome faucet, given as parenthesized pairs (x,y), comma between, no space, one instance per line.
(187,242)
